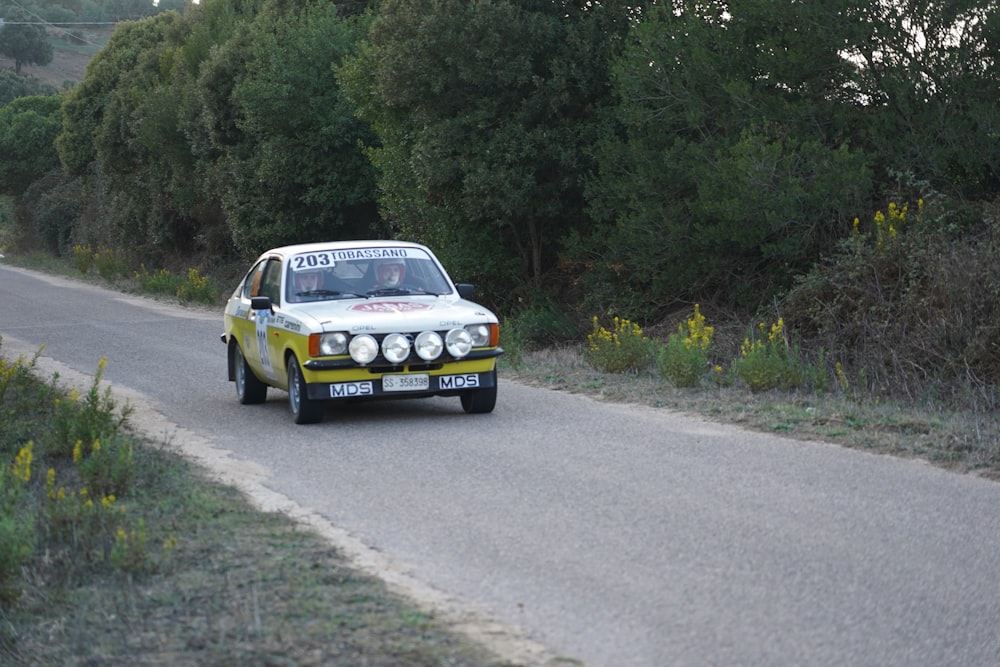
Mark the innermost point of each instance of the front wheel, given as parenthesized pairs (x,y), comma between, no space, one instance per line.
(249,390)
(480,401)
(304,409)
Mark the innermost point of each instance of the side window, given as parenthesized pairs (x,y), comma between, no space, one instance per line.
(251,285)
(270,284)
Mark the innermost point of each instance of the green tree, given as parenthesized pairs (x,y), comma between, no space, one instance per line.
(750,135)
(930,78)
(85,124)
(25,45)
(289,167)
(13,86)
(485,111)
(122,117)
(731,167)
(28,128)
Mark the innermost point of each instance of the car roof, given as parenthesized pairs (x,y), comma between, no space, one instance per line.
(288,250)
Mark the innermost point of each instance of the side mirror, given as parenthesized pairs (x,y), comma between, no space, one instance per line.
(260,303)
(466,290)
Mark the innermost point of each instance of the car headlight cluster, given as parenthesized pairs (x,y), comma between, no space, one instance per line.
(396,347)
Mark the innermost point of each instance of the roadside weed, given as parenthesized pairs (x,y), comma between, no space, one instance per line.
(197,288)
(684,359)
(622,349)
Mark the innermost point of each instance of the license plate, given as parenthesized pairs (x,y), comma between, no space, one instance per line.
(414,382)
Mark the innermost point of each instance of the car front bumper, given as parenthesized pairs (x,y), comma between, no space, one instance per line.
(449,384)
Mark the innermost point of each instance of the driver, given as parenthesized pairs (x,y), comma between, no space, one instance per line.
(304,282)
(390,273)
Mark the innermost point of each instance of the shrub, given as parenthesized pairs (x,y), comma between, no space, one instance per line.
(684,359)
(13,373)
(47,212)
(129,553)
(105,467)
(910,306)
(161,282)
(95,417)
(197,288)
(79,524)
(110,263)
(16,524)
(74,516)
(16,547)
(83,258)
(544,322)
(621,349)
(764,359)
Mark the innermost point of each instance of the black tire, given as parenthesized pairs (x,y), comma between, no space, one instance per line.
(304,409)
(249,390)
(480,401)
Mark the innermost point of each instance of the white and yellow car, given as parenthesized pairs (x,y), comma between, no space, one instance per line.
(354,320)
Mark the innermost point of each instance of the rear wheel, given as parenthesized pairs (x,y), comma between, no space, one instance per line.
(304,409)
(480,401)
(249,390)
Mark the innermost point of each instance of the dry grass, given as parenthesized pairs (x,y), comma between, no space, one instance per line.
(967,442)
(241,588)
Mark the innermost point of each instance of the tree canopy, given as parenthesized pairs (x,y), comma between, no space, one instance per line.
(28,127)
(25,45)
(624,155)
(484,112)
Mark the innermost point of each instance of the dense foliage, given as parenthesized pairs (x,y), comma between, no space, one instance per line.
(28,127)
(25,45)
(485,112)
(571,157)
(69,14)
(13,86)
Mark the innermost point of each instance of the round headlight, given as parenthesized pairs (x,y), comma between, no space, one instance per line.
(395,348)
(363,349)
(428,345)
(332,344)
(480,334)
(458,342)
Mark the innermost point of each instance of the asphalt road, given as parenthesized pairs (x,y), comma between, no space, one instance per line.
(616,535)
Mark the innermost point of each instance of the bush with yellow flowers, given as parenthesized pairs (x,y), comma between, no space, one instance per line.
(769,359)
(17,525)
(684,359)
(159,282)
(197,288)
(110,262)
(77,518)
(621,349)
(83,258)
(87,418)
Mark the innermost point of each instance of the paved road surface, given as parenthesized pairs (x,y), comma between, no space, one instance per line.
(618,536)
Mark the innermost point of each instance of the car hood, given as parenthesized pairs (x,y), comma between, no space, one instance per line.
(389,314)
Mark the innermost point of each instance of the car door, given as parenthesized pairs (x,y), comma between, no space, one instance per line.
(252,327)
(269,286)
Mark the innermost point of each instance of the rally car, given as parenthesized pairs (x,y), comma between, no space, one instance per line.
(358,320)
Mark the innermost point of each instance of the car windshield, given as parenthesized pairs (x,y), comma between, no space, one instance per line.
(350,273)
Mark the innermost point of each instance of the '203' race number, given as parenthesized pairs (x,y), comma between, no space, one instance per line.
(313,260)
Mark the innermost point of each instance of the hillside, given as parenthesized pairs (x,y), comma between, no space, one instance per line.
(69,61)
